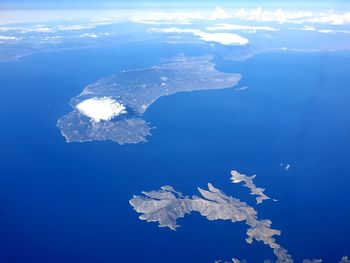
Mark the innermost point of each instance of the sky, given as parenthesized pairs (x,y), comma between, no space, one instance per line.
(308,4)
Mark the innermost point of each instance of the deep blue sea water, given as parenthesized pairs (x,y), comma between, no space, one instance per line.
(64,202)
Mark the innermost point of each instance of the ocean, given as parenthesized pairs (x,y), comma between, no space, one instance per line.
(64,202)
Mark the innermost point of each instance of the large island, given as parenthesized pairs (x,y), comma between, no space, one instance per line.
(112,108)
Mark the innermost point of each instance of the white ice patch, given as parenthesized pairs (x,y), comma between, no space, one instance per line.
(103,108)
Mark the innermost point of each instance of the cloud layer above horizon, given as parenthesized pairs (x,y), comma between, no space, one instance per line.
(256,28)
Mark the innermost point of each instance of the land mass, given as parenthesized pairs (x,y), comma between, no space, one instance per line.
(166,205)
(344,259)
(136,90)
(237,177)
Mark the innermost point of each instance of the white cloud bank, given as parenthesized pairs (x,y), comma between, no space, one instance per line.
(44,29)
(184,18)
(155,18)
(307,28)
(24,30)
(222,38)
(219,13)
(104,108)
(298,16)
(331,18)
(256,14)
(322,30)
(166,16)
(89,35)
(219,27)
(5,38)
(333,31)
(73,27)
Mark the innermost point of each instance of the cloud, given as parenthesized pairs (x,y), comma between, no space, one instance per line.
(219,13)
(218,27)
(324,31)
(37,28)
(96,35)
(30,16)
(104,16)
(46,29)
(103,108)
(333,31)
(299,16)
(331,18)
(308,28)
(5,28)
(74,27)
(51,39)
(89,35)
(278,15)
(156,18)
(8,38)
(222,38)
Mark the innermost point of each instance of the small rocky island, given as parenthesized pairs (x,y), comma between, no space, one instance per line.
(248,182)
(166,205)
(112,108)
